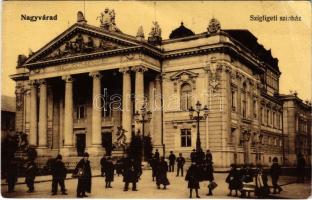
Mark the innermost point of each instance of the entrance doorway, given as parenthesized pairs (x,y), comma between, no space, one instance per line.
(107,142)
(80,143)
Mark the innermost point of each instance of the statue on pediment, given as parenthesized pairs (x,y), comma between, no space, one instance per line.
(140,33)
(21,59)
(107,20)
(214,26)
(80,18)
(155,34)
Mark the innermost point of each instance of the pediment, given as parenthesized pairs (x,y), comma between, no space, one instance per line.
(78,41)
(184,75)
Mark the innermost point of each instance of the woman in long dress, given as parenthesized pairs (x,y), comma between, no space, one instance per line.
(83,171)
(161,173)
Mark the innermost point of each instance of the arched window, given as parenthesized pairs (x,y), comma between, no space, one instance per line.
(186,96)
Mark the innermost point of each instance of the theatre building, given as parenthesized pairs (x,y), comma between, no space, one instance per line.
(76,91)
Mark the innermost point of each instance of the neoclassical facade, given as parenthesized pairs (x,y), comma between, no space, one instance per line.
(76,91)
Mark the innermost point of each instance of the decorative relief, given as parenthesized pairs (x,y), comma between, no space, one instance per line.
(213,69)
(139,69)
(19,93)
(82,43)
(184,77)
(127,57)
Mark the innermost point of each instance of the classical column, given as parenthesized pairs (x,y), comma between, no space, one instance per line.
(151,101)
(126,102)
(139,91)
(33,114)
(43,114)
(96,139)
(68,111)
(157,113)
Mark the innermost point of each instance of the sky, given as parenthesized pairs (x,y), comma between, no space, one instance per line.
(289,41)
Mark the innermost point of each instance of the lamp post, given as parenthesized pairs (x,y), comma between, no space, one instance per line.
(143,117)
(198,117)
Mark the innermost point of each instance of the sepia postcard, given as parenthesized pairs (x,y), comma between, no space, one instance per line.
(156,99)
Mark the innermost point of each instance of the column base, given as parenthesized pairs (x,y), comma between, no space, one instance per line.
(68,151)
(45,152)
(96,150)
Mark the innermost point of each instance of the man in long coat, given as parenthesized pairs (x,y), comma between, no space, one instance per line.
(58,175)
(109,173)
(131,173)
(84,179)
(103,165)
(172,159)
(12,175)
(161,173)
(180,164)
(275,172)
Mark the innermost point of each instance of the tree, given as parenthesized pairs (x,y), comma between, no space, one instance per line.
(134,149)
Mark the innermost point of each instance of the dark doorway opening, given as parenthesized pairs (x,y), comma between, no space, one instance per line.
(107,142)
(80,143)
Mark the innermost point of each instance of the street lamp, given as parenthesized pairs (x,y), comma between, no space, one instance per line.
(143,117)
(197,117)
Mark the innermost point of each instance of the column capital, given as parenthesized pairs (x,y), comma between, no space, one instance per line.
(95,74)
(42,82)
(67,78)
(158,77)
(124,70)
(139,69)
(33,83)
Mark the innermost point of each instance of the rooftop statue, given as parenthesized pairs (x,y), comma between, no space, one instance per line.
(107,20)
(214,26)
(80,18)
(156,30)
(140,33)
(155,34)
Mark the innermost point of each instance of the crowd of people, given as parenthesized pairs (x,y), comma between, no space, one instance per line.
(240,180)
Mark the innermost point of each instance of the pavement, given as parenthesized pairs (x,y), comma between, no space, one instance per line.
(147,188)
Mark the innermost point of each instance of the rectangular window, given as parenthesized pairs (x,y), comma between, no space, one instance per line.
(274,120)
(267,117)
(186,138)
(262,115)
(233,100)
(255,108)
(80,112)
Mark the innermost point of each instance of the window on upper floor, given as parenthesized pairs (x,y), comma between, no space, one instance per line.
(255,108)
(186,138)
(244,100)
(81,112)
(233,99)
(186,96)
(267,117)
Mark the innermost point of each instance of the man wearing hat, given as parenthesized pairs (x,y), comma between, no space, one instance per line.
(275,172)
(83,172)
(58,175)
